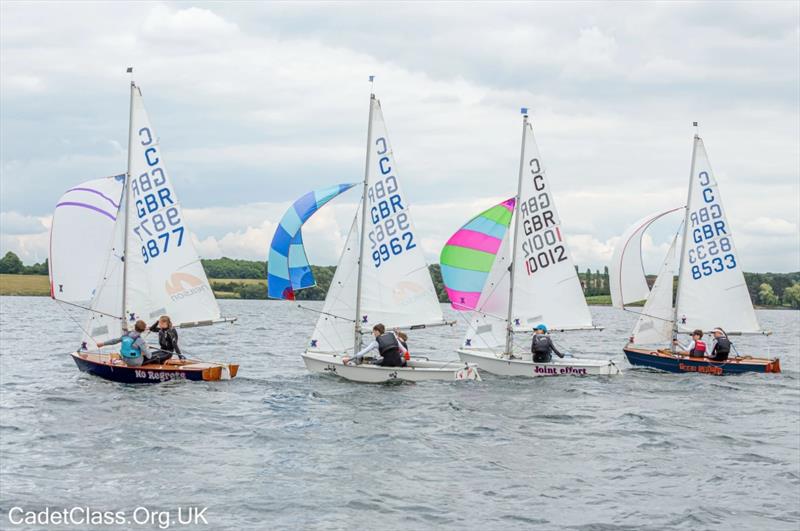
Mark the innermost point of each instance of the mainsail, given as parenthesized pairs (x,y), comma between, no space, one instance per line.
(711,287)
(546,288)
(468,255)
(396,286)
(382,276)
(76,261)
(288,267)
(152,266)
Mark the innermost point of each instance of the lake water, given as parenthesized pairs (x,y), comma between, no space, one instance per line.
(279,448)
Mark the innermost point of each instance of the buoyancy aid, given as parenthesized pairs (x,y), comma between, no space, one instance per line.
(721,349)
(128,350)
(389,349)
(541,347)
(699,349)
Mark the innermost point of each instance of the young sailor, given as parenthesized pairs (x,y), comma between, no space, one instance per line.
(134,350)
(391,351)
(403,337)
(542,346)
(696,347)
(722,346)
(167,336)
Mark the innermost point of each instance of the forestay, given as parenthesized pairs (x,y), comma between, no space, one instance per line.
(546,286)
(468,255)
(396,288)
(654,325)
(627,281)
(288,269)
(81,232)
(711,289)
(164,274)
(336,324)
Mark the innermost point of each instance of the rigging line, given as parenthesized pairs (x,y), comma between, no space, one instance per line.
(75,321)
(88,309)
(325,313)
(647,315)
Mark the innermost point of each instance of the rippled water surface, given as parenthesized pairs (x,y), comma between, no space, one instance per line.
(278,448)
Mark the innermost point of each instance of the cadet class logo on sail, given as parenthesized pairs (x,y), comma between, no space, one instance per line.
(542,241)
(391,230)
(159,226)
(710,251)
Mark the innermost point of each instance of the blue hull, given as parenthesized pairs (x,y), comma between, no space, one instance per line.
(147,374)
(679,364)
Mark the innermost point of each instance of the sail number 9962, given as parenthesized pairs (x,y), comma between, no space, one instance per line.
(391,229)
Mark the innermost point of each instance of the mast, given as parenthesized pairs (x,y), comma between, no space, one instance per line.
(357,331)
(509,321)
(125,190)
(683,242)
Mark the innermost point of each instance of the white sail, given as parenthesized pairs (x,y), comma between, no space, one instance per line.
(335,326)
(164,273)
(105,320)
(396,288)
(81,233)
(487,328)
(546,286)
(711,288)
(654,325)
(627,280)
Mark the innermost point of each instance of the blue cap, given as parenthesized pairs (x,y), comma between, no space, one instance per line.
(541,327)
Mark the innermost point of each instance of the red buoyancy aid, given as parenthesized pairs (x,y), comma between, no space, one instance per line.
(699,349)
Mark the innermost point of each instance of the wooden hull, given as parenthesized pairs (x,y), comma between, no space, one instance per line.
(489,362)
(664,360)
(111,367)
(416,371)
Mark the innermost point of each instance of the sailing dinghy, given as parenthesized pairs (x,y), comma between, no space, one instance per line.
(512,281)
(120,248)
(381,277)
(711,288)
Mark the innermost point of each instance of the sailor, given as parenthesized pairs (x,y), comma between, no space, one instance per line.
(542,346)
(722,346)
(167,338)
(696,347)
(391,351)
(403,337)
(134,350)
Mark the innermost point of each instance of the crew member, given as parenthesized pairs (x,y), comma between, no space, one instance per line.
(391,351)
(696,347)
(542,346)
(722,346)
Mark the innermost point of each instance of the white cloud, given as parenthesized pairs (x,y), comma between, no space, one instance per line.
(257,103)
(16,223)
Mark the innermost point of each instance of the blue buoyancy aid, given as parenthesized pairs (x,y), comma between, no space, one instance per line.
(128,349)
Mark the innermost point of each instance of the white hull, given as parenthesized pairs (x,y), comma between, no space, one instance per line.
(416,371)
(489,362)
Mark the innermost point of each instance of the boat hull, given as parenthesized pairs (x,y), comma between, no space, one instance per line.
(111,367)
(416,371)
(489,362)
(666,361)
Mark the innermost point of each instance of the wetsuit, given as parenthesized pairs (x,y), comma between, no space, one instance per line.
(541,348)
(722,347)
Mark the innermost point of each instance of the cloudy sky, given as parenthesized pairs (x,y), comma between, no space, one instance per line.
(256,104)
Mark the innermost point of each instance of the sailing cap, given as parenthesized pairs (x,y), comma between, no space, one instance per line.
(541,327)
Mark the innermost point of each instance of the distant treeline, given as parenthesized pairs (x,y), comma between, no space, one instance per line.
(766,289)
